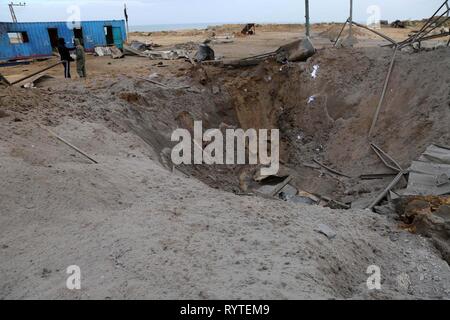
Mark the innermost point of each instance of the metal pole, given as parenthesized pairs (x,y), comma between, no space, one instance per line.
(340,33)
(425,26)
(308,30)
(350,33)
(13,15)
(68,144)
(125,11)
(386,191)
(383,94)
(376,32)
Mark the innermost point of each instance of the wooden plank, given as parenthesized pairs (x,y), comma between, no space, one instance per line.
(36,73)
(376,176)
(281,186)
(386,191)
(3,79)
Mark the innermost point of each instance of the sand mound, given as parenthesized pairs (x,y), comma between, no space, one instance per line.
(333,32)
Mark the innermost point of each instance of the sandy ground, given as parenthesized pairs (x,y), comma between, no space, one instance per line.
(137,230)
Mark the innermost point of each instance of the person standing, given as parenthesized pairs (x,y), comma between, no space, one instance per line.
(64,53)
(81,59)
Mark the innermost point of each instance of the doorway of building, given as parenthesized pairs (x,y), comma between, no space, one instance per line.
(78,34)
(114,36)
(53,35)
(109,35)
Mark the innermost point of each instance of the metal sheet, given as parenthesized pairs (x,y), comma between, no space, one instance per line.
(437,154)
(425,176)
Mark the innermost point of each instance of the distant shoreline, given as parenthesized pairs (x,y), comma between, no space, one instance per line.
(205,26)
(200,26)
(172,27)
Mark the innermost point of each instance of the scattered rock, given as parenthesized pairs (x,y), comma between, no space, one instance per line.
(215,90)
(3,114)
(45,273)
(403,281)
(326,230)
(386,210)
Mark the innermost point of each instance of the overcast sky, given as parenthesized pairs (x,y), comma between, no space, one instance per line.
(147,12)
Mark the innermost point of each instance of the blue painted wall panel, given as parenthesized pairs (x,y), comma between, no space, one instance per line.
(39,40)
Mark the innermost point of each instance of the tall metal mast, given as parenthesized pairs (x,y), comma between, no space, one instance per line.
(308,27)
(350,34)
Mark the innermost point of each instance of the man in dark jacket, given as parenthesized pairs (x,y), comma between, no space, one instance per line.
(65,56)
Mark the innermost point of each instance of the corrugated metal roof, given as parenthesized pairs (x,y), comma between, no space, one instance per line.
(427,176)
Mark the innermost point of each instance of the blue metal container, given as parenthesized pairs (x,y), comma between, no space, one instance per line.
(37,39)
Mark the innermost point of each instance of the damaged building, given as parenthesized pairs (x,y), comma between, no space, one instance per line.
(39,39)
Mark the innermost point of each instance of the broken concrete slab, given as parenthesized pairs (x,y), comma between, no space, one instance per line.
(102,51)
(299,50)
(116,53)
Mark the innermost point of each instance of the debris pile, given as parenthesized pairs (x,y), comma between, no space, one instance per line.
(249,29)
(142,50)
(112,51)
(428,216)
(398,24)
